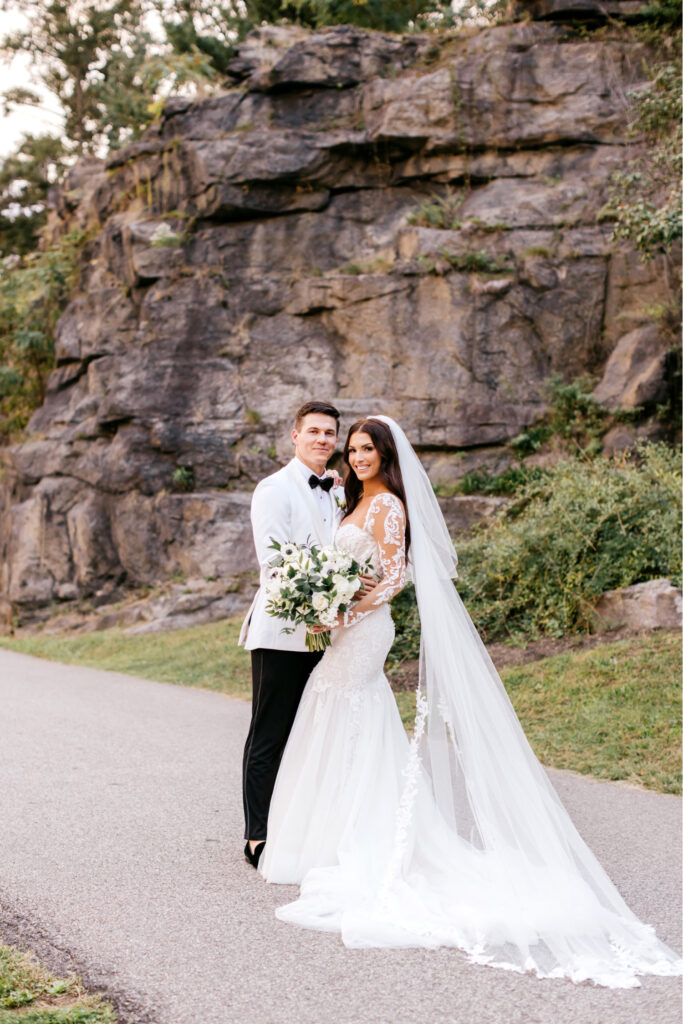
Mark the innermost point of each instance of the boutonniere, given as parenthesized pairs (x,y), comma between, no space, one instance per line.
(341,502)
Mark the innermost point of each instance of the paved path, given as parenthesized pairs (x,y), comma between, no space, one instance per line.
(120,854)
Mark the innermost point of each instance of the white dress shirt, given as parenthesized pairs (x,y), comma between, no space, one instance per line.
(324,498)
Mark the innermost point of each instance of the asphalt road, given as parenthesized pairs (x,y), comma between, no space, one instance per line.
(121,856)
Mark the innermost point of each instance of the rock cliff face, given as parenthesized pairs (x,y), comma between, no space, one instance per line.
(281,241)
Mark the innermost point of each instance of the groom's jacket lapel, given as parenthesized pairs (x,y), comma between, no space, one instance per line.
(308,497)
(338,492)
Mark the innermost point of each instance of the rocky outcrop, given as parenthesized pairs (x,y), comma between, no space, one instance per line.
(465,511)
(655,604)
(395,224)
(635,373)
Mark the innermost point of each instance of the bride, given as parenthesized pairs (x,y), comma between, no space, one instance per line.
(455,837)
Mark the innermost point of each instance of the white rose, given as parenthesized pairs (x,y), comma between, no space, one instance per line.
(343,583)
(320,602)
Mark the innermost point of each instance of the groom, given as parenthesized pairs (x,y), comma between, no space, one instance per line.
(297,503)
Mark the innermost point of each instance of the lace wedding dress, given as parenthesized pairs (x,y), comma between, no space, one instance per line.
(355,822)
(339,780)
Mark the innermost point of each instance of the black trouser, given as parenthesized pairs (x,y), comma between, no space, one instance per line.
(278,679)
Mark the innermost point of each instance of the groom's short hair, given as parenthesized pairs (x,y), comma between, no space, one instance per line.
(322,408)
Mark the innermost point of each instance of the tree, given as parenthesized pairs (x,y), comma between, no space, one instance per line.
(214,26)
(86,56)
(203,27)
(106,72)
(385,15)
(25,177)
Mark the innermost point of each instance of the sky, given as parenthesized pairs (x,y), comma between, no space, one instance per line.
(27,119)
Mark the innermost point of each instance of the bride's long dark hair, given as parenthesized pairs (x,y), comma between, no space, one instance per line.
(389,469)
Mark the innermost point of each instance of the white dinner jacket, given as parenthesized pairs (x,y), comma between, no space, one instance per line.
(283,507)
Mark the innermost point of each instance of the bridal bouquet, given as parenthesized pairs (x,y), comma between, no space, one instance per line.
(311,585)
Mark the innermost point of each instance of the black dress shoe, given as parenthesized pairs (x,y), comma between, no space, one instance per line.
(254,856)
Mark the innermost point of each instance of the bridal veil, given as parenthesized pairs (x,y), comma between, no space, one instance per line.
(566,918)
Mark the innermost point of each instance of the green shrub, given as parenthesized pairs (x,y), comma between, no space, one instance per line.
(574,415)
(407,623)
(439,211)
(587,527)
(645,196)
(183,478)
(475,262)
(510,481)
(530,440)
(33,292)
(662,13)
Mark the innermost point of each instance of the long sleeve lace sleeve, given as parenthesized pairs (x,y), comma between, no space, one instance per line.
(386,520)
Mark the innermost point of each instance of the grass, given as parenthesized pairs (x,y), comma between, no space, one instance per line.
(612,712)
(475,262)
(30,994)
(378,265)
(468,263)
(439,211)
(206,656)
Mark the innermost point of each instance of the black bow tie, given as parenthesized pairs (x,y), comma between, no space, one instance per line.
(315,481)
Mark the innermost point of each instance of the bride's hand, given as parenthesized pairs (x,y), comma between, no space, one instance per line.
(369,584)
(326,629)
